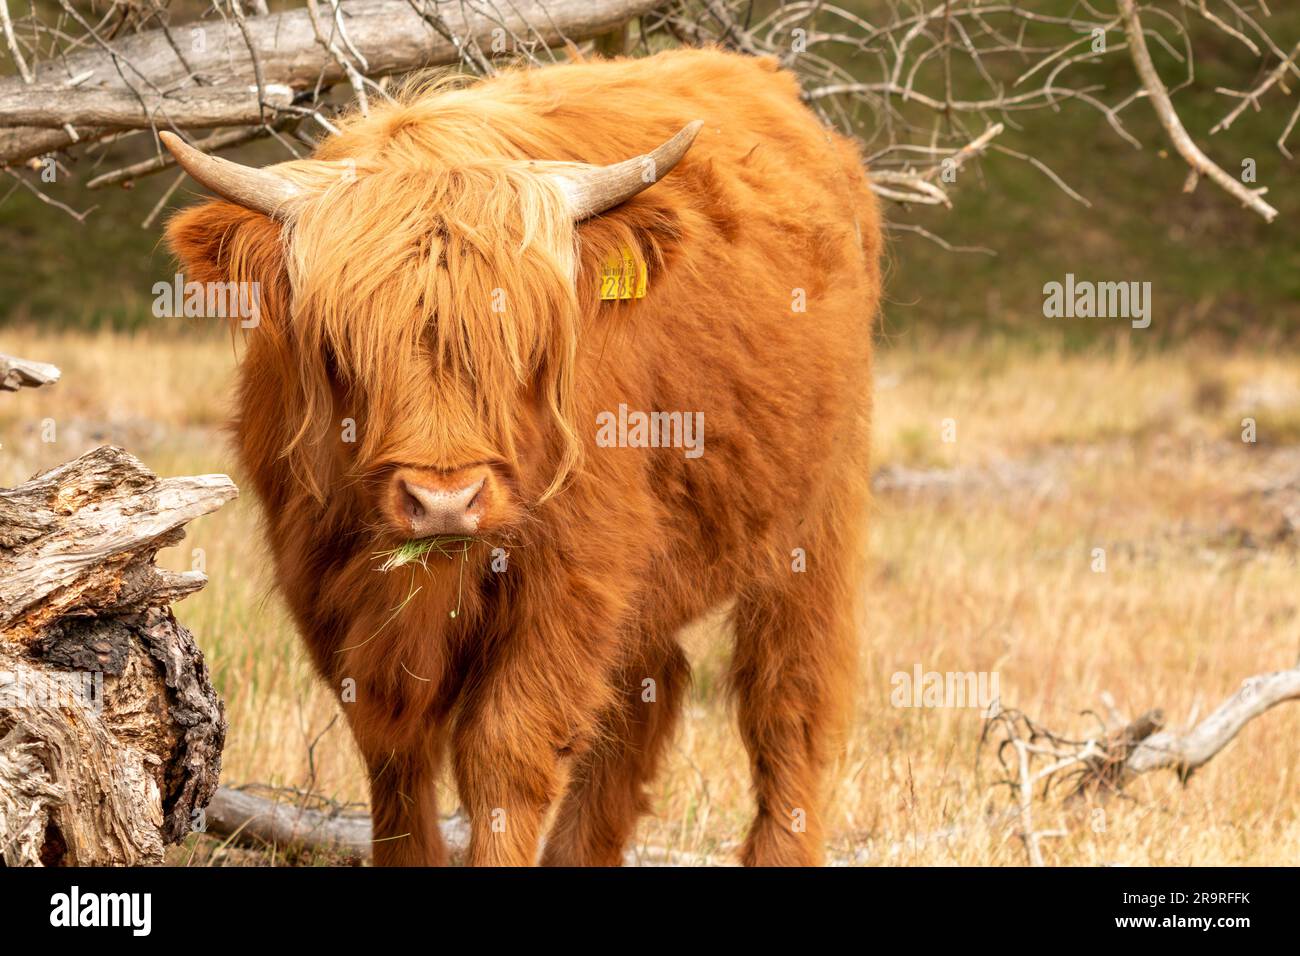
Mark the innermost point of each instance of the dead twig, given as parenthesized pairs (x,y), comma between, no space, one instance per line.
(1200,164)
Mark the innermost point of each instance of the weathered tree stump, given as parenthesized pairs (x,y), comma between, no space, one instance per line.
(110,729)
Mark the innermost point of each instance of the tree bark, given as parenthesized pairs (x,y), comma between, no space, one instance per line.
(110,729)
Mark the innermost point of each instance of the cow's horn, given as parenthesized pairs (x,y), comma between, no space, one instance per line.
(255,189)
(593,189)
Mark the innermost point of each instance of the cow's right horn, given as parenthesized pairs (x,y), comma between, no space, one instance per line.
(256,189)
(590,190)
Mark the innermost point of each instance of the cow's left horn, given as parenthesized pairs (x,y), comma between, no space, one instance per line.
(256,189)
(593,189)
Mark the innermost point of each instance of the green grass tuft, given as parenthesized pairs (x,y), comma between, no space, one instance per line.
(418,551)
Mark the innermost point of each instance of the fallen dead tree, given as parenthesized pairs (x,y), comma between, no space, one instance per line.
(1032,757)
(206,82)
(248,818)
(110,730)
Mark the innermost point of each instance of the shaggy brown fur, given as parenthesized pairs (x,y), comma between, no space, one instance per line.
(378,305)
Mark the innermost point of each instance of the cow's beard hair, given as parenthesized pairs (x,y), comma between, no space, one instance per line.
(434,581)
(406,628)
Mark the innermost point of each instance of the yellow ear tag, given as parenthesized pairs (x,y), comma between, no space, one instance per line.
(622,277)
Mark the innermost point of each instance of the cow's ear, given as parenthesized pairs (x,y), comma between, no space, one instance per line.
(222,242)
(202,239)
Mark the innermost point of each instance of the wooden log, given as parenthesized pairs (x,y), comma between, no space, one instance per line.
(53,107)
(1109,762)
(255,820)
(110,729)
(391,36)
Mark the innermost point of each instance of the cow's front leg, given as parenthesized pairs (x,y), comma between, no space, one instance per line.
(402,761)
(539,702)
(403,805)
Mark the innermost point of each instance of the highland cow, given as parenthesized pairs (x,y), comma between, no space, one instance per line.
(434,352)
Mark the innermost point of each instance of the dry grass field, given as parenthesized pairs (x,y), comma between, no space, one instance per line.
(983,561)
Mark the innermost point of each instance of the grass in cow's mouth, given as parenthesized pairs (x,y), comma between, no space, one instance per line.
(418,551)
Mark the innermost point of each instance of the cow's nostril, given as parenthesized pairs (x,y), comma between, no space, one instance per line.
(432,509)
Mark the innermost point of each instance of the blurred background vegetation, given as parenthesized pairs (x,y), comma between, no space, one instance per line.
(1216,270)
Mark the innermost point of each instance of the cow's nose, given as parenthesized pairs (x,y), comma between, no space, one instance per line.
(435,510)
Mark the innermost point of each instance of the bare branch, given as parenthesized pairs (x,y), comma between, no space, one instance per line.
(1187,752)
(1201,164)
(1252,98)
(11,41)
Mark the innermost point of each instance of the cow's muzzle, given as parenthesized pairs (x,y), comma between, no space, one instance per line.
(428,504)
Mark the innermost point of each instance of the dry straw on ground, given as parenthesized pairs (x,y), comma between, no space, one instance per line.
(984,563)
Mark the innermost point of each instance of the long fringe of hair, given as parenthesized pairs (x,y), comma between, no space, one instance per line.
(418,272)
